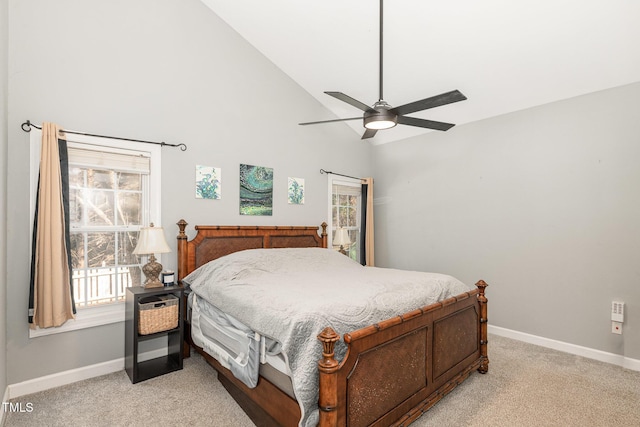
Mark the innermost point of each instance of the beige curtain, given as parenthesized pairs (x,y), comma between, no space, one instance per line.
(369,254)
(52,303)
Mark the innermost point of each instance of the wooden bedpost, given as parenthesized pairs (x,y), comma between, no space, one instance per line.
(327,367)
(324,234)
(182,249)
(484,365)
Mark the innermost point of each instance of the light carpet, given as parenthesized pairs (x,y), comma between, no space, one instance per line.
(527,385)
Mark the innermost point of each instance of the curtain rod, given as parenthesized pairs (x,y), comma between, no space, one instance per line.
(339,174)
(29,125)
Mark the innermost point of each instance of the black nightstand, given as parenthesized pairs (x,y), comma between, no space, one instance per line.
(140,371)
(186,348)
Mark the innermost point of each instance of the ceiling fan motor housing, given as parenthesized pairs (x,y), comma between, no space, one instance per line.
(380,117)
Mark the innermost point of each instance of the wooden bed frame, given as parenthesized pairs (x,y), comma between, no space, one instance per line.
(392,372)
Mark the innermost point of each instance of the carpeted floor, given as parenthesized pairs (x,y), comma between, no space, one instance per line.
(526,385)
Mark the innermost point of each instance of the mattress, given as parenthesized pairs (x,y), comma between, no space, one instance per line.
(231,343)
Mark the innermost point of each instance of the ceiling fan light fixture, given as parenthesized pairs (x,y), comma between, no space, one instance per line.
(380,117)
(379,123)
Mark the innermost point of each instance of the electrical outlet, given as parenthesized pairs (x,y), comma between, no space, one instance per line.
(616,328)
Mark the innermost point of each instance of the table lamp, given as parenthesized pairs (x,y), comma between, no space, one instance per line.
(151,241)
(342,238)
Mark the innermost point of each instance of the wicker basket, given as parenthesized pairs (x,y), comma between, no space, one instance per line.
(157,314)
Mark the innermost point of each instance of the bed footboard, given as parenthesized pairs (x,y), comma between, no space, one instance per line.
(397,369)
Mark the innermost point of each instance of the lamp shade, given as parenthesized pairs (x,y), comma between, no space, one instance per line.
(151,241)
(342,237)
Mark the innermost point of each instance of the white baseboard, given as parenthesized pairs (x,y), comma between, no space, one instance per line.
(63,378)
(590,353)
(67,377)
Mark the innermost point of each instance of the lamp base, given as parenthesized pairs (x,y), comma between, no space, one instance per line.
(152,270)
(153,284)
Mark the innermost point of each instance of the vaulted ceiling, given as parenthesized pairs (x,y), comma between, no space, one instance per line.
(504,55)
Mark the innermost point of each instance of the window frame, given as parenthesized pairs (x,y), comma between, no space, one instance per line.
(89,317)
(85,227)
(348,182)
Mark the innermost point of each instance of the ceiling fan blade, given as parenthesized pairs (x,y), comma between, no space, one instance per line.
(429,124)
(434,101)
(349,100)
(369,133)
(330,121)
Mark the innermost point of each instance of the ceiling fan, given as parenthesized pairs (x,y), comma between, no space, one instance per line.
(381,115)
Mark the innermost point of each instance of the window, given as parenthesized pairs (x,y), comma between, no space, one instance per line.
(114,189)
(108,202)
(345,205)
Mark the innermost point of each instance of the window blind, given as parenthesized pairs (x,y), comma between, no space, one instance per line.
(136,162)
(347,190)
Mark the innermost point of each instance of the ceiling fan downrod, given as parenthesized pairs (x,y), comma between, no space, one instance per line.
(381,98)
(380,117)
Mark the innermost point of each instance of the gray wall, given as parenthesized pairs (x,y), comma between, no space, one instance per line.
(158,70)
(543,204)
(3,194)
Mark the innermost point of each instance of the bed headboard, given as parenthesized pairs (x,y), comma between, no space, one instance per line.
(215,241)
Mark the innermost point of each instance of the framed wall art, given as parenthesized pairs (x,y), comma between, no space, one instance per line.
(208,182)
(256,190)
(295,191)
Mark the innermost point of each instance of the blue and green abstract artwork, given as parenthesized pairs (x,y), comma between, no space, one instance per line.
(256,190)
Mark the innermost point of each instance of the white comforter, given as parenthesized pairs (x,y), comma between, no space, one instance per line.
(290,295)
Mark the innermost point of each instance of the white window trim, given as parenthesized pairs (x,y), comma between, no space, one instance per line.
(86,318)
(112,313)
